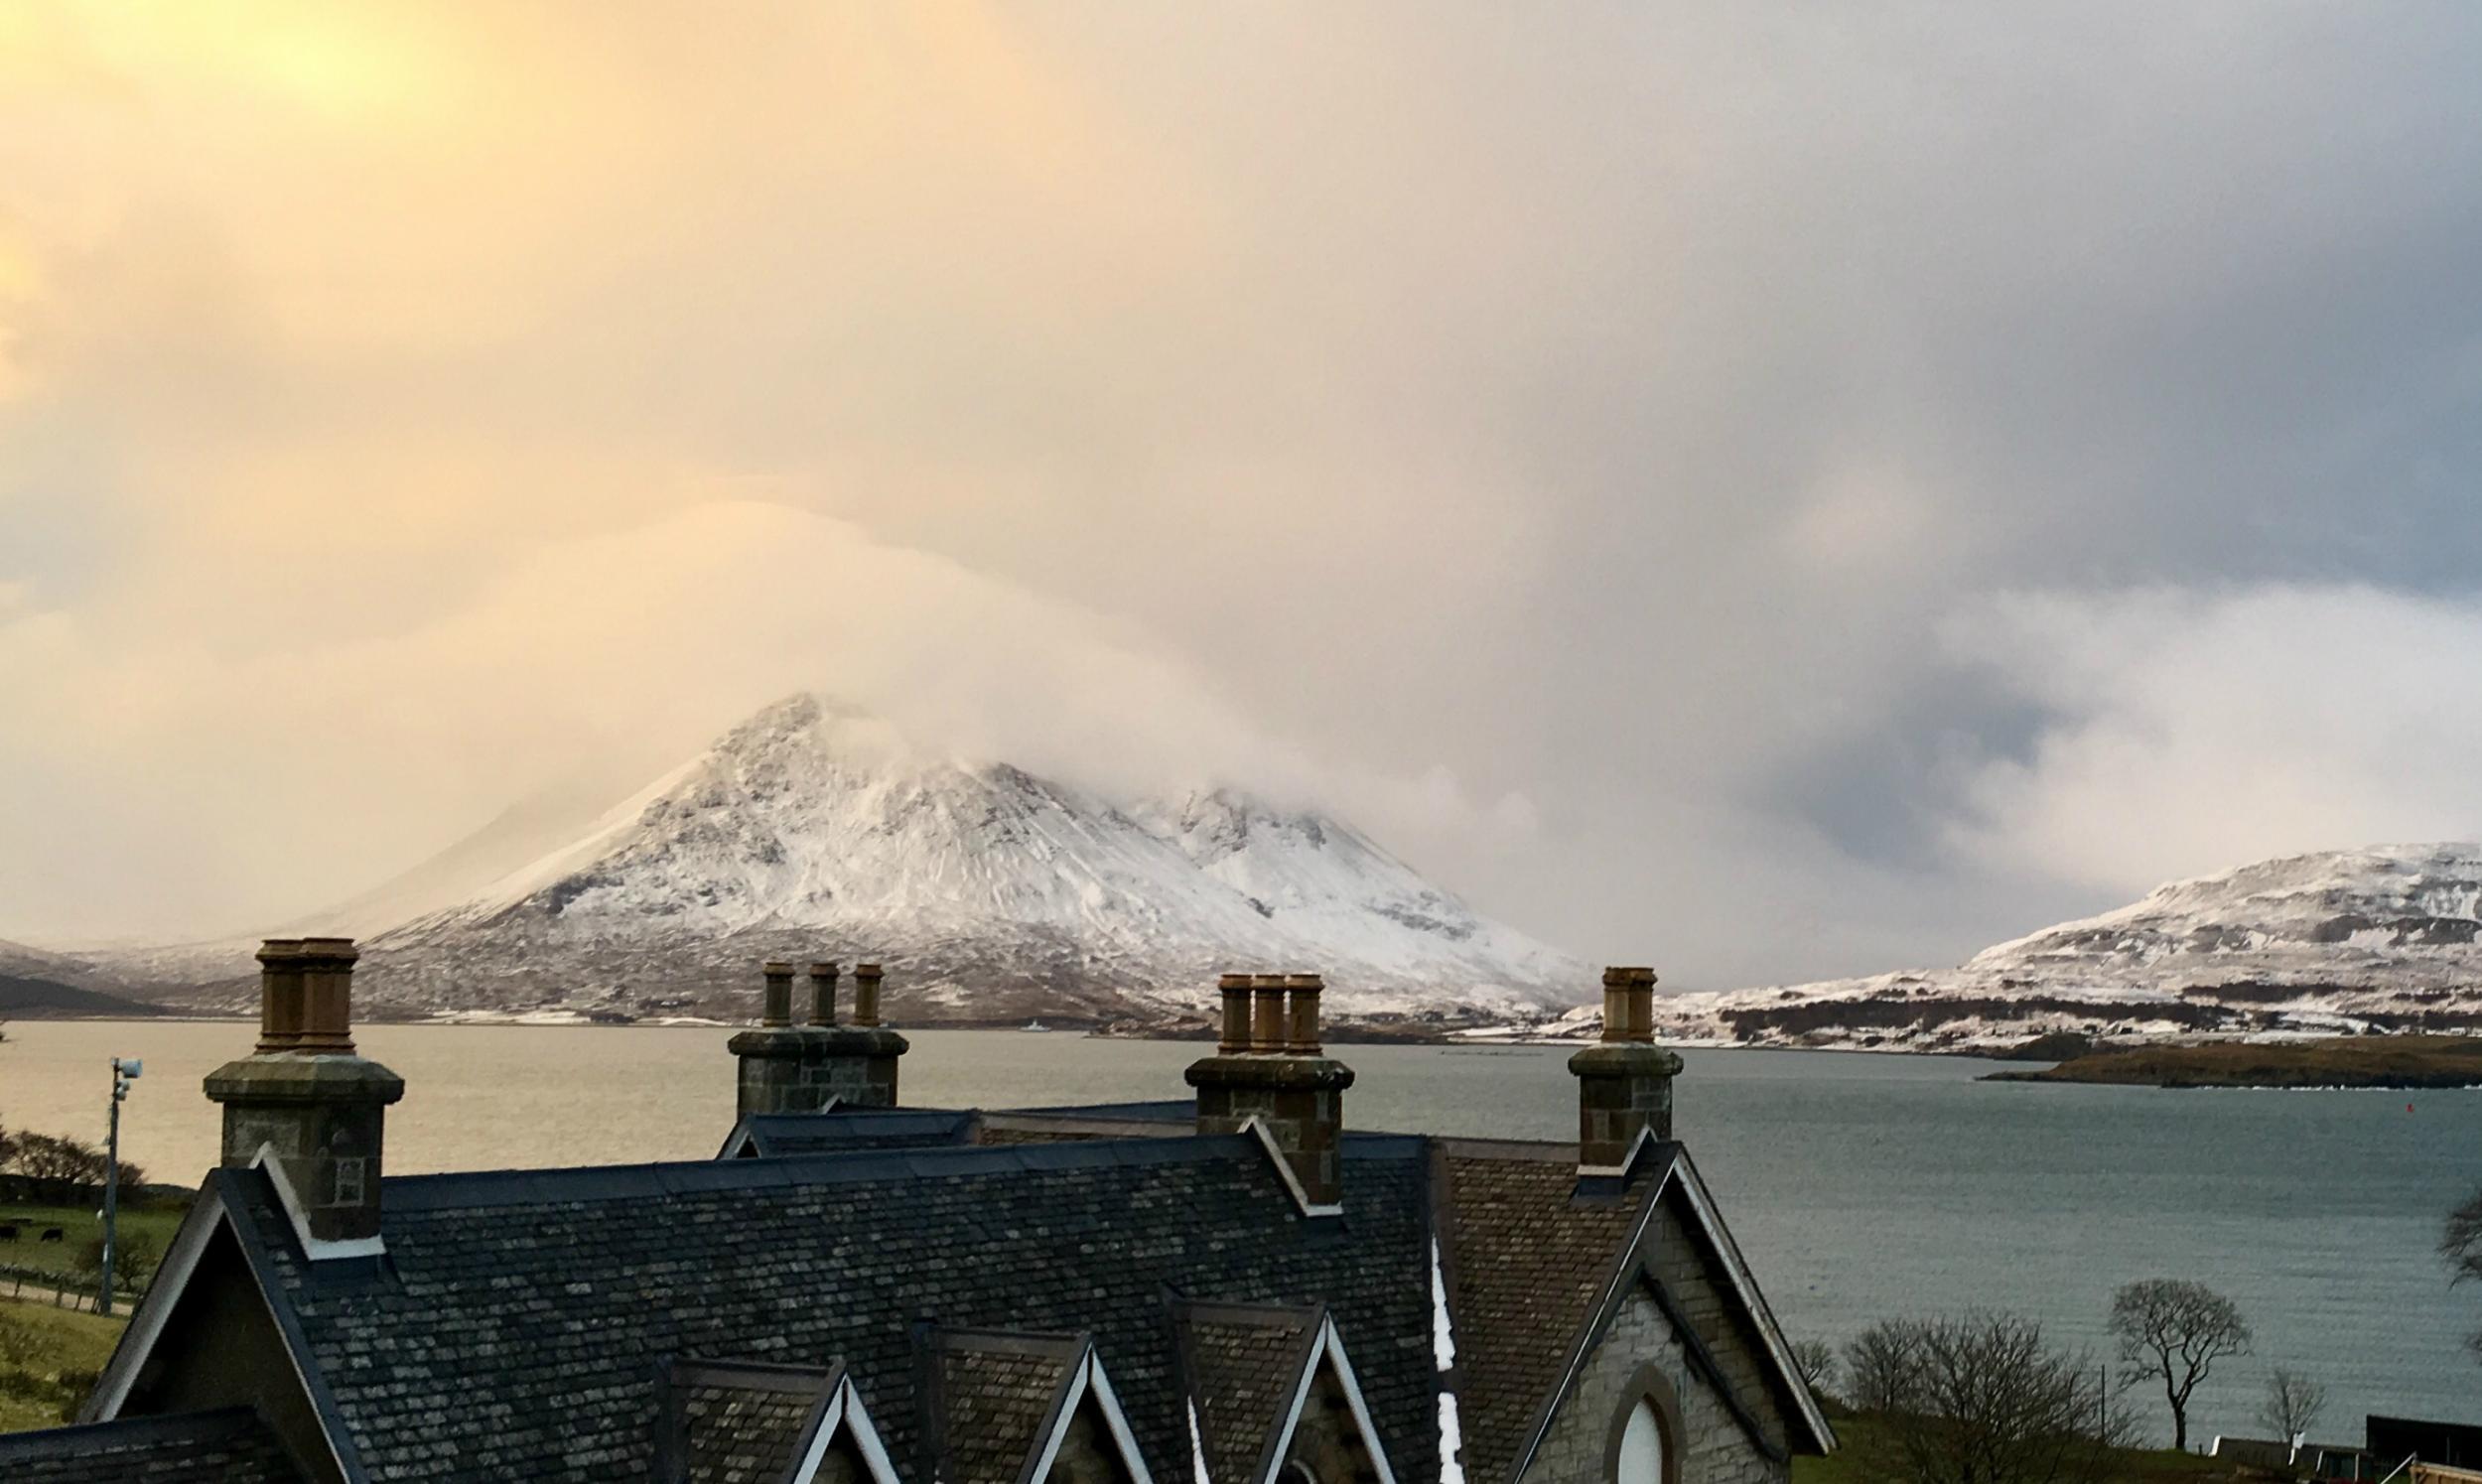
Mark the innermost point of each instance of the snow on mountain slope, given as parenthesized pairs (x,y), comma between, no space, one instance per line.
(814,831)
(2329,942)
(1322,879)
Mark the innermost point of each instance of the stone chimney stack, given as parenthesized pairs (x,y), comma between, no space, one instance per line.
(1624,1082)
(788,1068)
(306,1101)
(1268,1067)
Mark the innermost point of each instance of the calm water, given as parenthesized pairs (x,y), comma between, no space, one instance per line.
(1859,1186)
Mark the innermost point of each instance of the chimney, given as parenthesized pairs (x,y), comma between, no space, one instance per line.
(1624,1082)
(788,1068)
(1267,1068)
(823,976)
(306,1102)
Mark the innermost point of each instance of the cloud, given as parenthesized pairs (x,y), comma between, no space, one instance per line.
(1607,419)
(2186,732)
(285,772)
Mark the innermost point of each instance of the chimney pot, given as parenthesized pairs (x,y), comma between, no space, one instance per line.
(777,1006)
(280,1011)
(1235,1034)
(1302,990)
(326,969)
(823,976)
(1267,1029)
(1629,1003)
(866,978)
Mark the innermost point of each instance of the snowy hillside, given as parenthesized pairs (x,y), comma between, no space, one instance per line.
(813,831)
(2326,943)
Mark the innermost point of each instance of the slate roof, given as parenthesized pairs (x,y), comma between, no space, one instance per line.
(775,1135)
(514,1326)
(1158,1111)
(991,1401)
(1243,1364)
(739,1423)
(1524,1264)
(227,1447)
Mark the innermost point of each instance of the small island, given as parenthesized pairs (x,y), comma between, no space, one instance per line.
(2401,1061)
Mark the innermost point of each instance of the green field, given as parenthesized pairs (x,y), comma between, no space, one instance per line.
(78,1225)
(64,1342)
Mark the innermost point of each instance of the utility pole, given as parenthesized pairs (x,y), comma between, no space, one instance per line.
(123,1074)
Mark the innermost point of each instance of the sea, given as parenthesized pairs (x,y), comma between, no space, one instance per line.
(1859,1187)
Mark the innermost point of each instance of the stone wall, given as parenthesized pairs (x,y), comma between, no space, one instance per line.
(1087,1454)
(798,1069)
(1326,1441)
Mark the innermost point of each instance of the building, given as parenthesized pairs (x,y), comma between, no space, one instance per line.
(1235,1288)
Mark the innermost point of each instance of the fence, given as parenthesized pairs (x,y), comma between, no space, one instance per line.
(69,1291)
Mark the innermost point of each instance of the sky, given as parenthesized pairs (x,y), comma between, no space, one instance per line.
(1771,491)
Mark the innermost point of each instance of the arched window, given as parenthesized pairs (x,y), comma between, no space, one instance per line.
(1644,1444)
(1640,1459)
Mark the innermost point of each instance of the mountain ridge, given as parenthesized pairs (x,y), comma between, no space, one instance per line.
(2379,938)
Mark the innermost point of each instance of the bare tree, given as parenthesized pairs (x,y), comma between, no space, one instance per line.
(2293,1403)
(2460,1242)
(58,1162)
(1979,1398)
(1817,1360)
(2175,1331)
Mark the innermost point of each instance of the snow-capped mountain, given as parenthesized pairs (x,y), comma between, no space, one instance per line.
(2326,943)
(813,831)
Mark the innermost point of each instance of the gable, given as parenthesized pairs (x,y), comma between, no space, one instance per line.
(1271,1392)
(1085,1452)
(1523,1266)
(1643,1356)
(205,1338)
(1330,1439)
(1681,1259)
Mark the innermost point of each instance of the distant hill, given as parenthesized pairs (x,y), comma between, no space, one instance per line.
(23,998)
(2328,943)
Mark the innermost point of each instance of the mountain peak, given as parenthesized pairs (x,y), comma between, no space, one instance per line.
(816,829)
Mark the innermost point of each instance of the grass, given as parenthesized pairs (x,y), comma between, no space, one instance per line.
(66,1343)
(2409,1061)
(1849,1464)
(78,1225)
